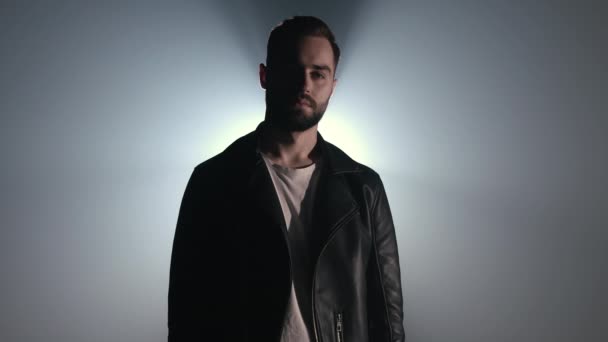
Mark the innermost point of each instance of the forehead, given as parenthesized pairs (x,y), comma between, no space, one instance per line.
(311,50)
(315,48)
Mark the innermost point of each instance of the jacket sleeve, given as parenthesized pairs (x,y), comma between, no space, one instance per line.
(195,296)
(183,299)
(385,301)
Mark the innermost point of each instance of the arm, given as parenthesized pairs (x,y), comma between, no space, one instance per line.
(385,299)
(183,299)
(196,297)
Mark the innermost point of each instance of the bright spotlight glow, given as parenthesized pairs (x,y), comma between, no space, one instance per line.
(341,132)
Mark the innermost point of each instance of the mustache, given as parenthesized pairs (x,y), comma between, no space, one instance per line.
(307,98)
(282,98)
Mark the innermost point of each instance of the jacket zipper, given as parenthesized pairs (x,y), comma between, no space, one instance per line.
(339,328)
(314,274)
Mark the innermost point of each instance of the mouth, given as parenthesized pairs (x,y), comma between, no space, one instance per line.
(302,102)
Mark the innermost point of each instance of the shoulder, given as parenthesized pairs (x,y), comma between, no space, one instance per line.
(224,171)
(239,154)
(342,163)
(362,181)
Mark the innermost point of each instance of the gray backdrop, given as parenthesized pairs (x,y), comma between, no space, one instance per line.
(487,121)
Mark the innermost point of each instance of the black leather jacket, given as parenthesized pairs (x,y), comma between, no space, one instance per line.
(230,276)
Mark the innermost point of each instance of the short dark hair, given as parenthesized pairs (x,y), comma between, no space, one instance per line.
(289,32)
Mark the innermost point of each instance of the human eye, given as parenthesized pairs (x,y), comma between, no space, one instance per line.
(318,75)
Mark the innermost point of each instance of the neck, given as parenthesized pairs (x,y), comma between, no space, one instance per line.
(289,149)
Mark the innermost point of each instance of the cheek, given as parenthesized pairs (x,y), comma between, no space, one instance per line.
(324,93)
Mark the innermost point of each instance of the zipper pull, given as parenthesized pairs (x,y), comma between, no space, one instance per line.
(339,328)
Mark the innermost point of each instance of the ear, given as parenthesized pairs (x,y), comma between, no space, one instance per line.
(262,72)
(333,86)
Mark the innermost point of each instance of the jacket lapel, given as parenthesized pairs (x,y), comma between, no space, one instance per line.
(333,205)
(263,193)
(334,201)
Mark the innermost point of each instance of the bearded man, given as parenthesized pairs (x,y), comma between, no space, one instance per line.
(282,236)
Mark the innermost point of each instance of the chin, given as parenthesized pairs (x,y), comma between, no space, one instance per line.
(304,113)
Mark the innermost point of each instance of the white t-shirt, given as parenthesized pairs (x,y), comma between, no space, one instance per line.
(295,189)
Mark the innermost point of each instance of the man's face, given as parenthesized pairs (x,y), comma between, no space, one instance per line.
(299,85)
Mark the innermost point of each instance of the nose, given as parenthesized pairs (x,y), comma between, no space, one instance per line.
(305,82)
(295,79)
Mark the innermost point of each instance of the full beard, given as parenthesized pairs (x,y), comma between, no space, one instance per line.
(291,118)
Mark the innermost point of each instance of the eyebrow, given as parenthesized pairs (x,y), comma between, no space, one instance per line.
(321,67)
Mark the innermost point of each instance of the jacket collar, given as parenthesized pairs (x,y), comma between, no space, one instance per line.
(334,159)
